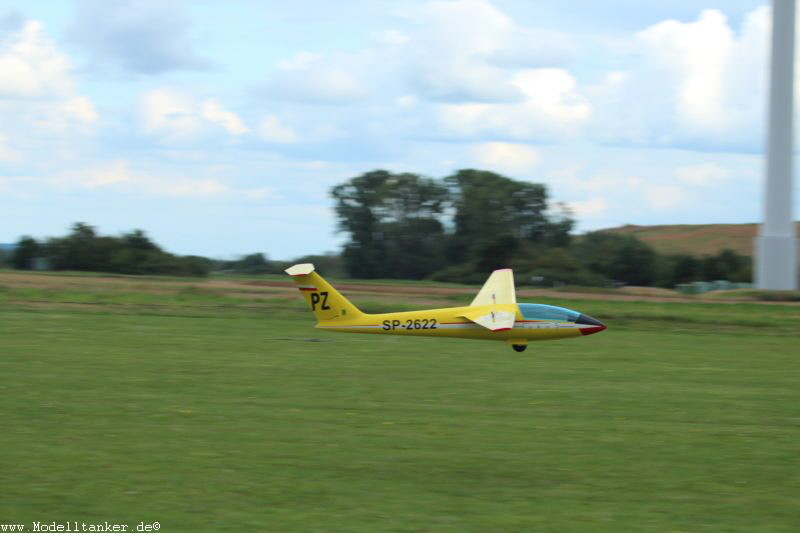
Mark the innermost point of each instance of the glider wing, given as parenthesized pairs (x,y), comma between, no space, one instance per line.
(494,317)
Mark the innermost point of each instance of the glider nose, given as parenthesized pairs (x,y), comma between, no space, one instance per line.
(589,325)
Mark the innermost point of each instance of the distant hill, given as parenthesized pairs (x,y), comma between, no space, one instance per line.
(7,246)
(695,239)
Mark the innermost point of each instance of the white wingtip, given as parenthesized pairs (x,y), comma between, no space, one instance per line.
(300,270)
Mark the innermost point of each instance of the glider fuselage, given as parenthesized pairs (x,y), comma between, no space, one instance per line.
(494,314)
(450,322)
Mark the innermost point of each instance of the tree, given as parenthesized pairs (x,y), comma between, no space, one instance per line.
(407,226)
(132,253)
(394,222)
(81,249)
(675,269)
(617,257)
(727,264)
(25,252)
(357,206)
(251,264)
(329,264)
(491,208)
(557,232)
(554,266)
(497,219)
(683,268)
(138,240)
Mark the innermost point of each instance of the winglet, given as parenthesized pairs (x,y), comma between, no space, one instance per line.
(300,270)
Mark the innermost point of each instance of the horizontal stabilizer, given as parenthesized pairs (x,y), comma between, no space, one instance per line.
(494,317)
(300,270)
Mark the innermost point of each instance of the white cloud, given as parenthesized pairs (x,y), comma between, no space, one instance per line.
(312,78)
(552,108)
(703,175)
(592,207)
(469,72)
(259,193)
(552,94)
(213,112)
(392,37)
(664,197)
(176,117)
(511,158)
(406,102)
(696,55)
(606,183)
(609,181)
(453,51)
(120,175)
(461,50)
(449,66)
(80,108)
(31,66)
(695,84)
(271,129)
(170,113)
(111,173)
(40,109)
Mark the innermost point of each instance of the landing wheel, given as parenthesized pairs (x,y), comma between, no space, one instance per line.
(519,347)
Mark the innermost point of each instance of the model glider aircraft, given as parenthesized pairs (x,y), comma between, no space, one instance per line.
(494,314)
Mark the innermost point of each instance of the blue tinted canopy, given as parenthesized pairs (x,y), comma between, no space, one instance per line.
(550,313)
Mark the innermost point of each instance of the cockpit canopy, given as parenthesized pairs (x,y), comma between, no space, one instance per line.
(548,313)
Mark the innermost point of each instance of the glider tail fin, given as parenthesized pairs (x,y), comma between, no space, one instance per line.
(325,302)
(498,289)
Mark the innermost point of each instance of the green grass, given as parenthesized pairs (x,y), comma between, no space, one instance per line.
(762,295)
(206,411)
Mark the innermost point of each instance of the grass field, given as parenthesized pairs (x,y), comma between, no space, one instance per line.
(222,409)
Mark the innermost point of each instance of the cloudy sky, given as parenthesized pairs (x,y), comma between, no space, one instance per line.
(219,127)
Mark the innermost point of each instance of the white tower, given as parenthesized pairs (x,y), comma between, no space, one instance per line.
(776,245)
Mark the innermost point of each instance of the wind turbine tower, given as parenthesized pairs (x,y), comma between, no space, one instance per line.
(776,246)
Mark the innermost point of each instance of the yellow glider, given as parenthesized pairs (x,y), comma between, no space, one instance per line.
(494,314)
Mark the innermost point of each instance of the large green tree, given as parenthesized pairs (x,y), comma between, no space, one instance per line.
(394,223)
(495,216)
(358,203)
(407,226)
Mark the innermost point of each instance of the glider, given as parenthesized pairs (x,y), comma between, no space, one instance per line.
(494,314)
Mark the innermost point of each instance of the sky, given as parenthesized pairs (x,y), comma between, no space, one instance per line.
(219,128)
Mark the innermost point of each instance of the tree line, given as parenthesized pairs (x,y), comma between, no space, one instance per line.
(407,226)
(461,227)
(83,249)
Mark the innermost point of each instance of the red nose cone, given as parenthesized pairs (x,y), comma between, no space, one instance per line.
(592,329)
(594,325)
